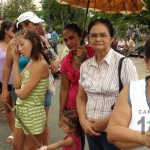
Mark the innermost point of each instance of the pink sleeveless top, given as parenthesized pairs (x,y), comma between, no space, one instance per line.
(77,143)
(73,76)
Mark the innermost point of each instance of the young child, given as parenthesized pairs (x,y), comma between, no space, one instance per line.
(71,126)
(30,87)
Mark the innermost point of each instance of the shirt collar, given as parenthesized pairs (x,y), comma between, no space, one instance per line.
(106,59)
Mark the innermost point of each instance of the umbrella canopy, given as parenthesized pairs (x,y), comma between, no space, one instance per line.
(109,6)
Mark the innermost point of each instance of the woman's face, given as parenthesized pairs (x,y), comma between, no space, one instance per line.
(24,46)
(99,37)
(71,39)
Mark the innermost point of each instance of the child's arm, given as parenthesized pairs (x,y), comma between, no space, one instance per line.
(62,143)
(15,67)
(38,72)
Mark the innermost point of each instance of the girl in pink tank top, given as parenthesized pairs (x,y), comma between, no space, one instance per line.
(71,126)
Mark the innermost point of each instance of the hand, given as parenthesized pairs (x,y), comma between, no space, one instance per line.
(43,148)
(97,125)
(80,52)
(15,52)
(55,66)
(60,123)
(4,96)
(87,127)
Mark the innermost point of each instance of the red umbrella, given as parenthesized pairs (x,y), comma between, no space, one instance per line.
(109,6)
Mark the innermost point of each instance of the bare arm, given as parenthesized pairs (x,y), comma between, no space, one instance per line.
(64,89)
(100,125)
(15,68)
(81,101)
(6,72)
(16,75)
(56,63)
(65,142)
(118,131)
(36,74)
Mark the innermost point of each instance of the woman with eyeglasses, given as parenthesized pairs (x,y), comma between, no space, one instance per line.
(99,84)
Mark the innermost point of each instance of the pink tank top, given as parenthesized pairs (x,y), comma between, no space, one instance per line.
(77,143)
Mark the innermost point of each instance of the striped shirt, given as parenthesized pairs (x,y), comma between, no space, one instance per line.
(101,83)
(31,109)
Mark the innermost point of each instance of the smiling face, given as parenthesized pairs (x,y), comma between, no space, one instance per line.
(24,46)
(99,38)
(71,39)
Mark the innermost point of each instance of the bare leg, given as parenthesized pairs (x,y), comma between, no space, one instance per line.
(25,145)
(46,132)
(10,116)
(32,144)
(19,138)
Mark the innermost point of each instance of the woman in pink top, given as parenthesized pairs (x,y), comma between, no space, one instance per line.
(71,126)
(70,66)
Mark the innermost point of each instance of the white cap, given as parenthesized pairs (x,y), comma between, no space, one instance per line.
(29,16)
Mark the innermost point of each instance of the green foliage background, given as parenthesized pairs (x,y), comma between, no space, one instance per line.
(57,15)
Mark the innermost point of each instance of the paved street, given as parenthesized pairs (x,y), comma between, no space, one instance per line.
(56,132)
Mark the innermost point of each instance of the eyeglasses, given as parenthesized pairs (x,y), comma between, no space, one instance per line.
(101,35)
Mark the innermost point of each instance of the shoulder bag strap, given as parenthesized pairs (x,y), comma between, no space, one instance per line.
(119,73)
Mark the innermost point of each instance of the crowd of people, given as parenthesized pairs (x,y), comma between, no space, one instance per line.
(89,87)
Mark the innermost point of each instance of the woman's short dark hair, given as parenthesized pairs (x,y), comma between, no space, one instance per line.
(106,22)
(74,27)
(5,25)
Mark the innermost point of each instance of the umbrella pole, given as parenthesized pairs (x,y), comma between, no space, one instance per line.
(87,10)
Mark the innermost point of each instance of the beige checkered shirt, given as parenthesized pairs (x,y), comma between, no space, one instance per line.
(100,82)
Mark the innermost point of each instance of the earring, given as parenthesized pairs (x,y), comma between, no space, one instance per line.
(147,70)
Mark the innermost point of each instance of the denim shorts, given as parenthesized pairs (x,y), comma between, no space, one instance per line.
(13,94)
(48,97)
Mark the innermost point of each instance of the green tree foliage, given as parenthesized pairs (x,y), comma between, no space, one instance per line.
(58,15)
(121,22)
(14,8)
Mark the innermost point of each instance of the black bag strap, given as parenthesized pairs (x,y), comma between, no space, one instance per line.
(119,77)
(119,73)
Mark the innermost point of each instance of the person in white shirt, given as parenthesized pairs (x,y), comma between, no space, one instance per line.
(121,45)
(99,84)
(130,46)
(129,124)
